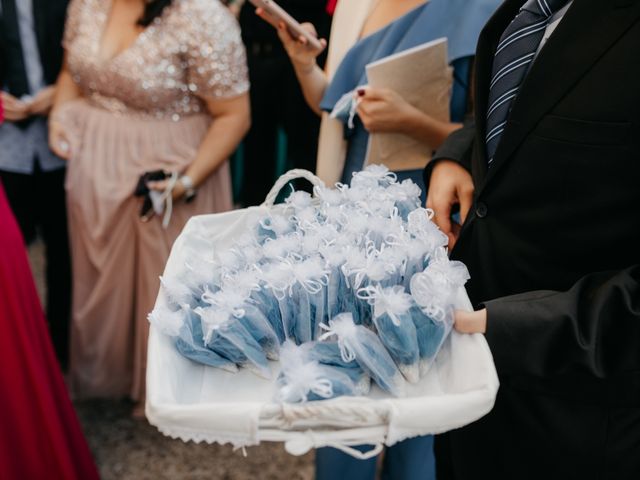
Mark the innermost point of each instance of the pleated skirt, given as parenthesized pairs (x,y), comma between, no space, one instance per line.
(117,259)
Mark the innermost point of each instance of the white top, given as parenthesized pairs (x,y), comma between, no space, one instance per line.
(552,25)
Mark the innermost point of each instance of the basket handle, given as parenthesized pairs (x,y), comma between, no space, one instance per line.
(374,452)
(302,444)
(286,178)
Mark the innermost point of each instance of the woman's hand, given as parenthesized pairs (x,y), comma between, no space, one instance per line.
(302,54)
(383,110)
(161,186)
(470,322)
(58,139)
(235,6)
(14,110)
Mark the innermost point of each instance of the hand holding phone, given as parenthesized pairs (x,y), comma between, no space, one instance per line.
(271,12)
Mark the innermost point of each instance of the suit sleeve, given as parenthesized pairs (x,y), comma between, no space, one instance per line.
(457,147)
(592,328)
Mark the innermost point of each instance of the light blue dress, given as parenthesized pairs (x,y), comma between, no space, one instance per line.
(460,21)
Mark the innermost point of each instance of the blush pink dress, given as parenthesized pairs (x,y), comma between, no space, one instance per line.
(141,110)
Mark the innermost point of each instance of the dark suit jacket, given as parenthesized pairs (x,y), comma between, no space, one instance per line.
(48,17)
(553,247)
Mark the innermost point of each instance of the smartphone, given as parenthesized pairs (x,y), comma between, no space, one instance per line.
(280,15)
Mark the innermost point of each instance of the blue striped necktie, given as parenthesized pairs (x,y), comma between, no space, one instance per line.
(514,54)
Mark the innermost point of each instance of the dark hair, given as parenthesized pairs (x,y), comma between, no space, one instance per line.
(153,10)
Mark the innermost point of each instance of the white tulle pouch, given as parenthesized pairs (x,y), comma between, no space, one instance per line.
(251,280)
(298,286)
(335,215)
(308,297)
(201,271)
(248,251)
(434,292)
(186,330)
(357,194)
(357,227)
(328,353)
(394,325)
(336,288)
(373,176)
(433,324)
(282,247)
(303,213)
(381,268)
(226,336)
(390,266)
(306,218)
(358,343)
(328,196)
(178,293)
(420,226)
(273,226)
(353,275)
(406,196)
(302,380)
(414,254)
(439,282)
(239,305)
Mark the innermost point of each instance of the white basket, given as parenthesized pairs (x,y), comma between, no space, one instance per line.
(195,402)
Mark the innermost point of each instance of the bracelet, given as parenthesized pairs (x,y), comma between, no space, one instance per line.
(189,188)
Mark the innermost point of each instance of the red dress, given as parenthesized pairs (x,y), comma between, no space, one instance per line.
(40,436)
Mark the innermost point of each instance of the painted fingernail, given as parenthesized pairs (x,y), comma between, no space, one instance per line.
(361,92)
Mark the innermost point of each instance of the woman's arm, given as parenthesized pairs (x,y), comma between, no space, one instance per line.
(231,121)
(65,91)
(65,88)
(313,80)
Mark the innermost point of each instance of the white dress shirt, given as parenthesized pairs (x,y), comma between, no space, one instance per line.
(553,24)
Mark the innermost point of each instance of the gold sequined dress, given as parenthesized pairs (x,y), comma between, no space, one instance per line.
(141,110)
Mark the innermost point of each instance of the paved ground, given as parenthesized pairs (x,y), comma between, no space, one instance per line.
(128,449)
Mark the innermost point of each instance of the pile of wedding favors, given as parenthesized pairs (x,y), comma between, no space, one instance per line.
(348,286)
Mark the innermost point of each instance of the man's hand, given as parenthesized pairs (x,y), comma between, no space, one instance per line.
(470,322)
(383,110)
(42,102)
(14,110)
(450,185)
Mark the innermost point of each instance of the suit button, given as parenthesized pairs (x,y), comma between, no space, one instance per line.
(481,210)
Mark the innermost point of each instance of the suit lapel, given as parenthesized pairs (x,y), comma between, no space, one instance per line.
(586,32)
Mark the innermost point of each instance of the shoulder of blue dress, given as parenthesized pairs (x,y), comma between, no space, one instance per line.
(467,21)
